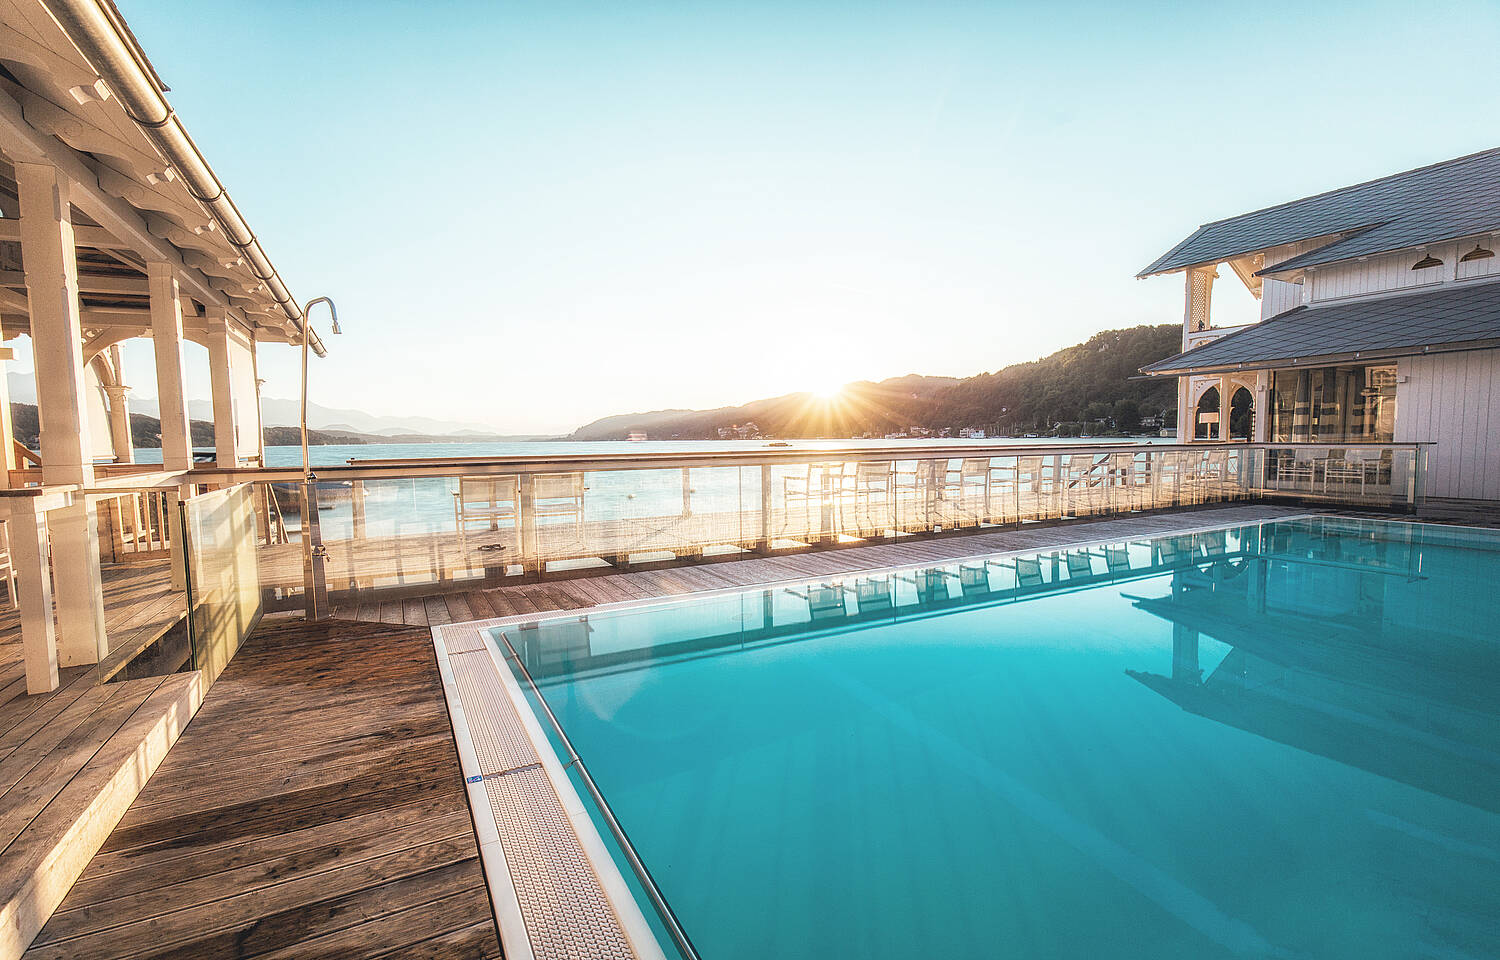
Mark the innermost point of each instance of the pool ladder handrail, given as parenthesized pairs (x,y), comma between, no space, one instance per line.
(664,911)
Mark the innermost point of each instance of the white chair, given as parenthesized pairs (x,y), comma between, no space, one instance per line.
(871,498)
(557,513)
(966,493)
(484,505)
(1345,473)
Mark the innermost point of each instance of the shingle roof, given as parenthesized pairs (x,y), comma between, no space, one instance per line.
(1444,201)
(1453,317)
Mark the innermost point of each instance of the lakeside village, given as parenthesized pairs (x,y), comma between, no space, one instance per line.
(1160,425)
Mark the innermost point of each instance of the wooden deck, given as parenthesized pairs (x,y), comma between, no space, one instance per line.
(71,760)
(314,807)
(139,606)
(505,601)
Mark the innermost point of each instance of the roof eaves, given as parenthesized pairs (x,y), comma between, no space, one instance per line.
(1320,258)
(1155,267)
(1159,366)
(1323,359)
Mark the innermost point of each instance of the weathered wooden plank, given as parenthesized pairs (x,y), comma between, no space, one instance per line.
(320,796)
(437,610)
(119,874)
(316,856)
(414,611)
(407,933)
(47,778)
(265,918)
(459,610)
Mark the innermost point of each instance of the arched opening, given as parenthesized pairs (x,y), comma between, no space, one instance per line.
(1241,414)
(1206,417)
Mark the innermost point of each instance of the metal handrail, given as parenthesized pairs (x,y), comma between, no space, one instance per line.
(663,910)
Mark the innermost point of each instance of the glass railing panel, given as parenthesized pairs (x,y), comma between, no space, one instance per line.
(223,583)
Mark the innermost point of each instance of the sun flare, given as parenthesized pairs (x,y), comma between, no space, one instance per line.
(827,391)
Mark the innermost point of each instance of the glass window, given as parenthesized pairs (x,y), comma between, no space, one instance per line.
(1334,405)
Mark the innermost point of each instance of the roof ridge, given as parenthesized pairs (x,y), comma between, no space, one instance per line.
(1353,186)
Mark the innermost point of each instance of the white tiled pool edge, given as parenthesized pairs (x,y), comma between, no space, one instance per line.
(517,936)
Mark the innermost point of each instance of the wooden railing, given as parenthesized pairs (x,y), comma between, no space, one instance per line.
(135,526)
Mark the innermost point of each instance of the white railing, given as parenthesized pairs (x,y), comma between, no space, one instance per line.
(135,525)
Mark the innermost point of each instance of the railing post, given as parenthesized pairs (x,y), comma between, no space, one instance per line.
(933,518)
(526,511)
(357,508)
(1415,486)
(314,584)
(1060,487)
(763,545)
(825,508)
(175,544)
(27,528)
(694,548)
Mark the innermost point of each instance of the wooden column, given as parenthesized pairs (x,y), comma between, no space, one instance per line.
(27,528)
(119,423)
(166,339)
(176,441)
(7,428)
(48,255)
(221,373)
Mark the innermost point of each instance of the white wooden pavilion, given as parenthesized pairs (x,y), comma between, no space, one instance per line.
(112,226)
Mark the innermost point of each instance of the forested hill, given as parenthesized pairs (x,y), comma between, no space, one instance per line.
(1083,388)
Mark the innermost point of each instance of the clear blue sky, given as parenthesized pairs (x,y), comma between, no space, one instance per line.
(534,214)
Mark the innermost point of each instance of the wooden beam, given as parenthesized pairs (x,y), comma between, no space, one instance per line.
(88,283)
(85,236)
(24,142)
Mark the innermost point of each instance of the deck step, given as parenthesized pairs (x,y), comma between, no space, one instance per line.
(63,789)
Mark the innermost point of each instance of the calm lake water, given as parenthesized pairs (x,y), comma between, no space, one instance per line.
(339,454)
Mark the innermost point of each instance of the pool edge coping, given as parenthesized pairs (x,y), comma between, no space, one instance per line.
(514,933)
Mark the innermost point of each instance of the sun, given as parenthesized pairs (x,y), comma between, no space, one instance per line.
(827,391)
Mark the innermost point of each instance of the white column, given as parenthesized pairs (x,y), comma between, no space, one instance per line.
(260,424)
(27,529)
(1196,307)
(48,255)
(7,428)
(1185,420)
(119,411)
(176,441)
(221,373)
(166,343)
(244,394)
(1264,408)
(1198,301)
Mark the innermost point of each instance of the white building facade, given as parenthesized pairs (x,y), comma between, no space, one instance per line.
(1380,322)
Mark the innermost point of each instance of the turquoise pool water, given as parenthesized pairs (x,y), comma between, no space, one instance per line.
(1267,741)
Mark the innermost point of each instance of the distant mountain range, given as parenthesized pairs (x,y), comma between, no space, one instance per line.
(286,413)
(145,432)
(1091,387)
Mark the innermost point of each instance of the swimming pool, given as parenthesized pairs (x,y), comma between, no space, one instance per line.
(1278,740)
